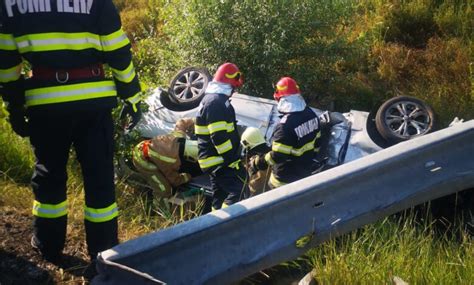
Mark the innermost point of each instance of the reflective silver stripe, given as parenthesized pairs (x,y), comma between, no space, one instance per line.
(217,126)
(201,130)
(11,74)
(72,43)
(300,151)
(39,209)
(7,42)
(108,43)
(124,77)
(210,161)
(65,93)
(97,216)
(282,148)
(225,147)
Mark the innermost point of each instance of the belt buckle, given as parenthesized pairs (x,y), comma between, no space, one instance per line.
(62,76)
(96,71)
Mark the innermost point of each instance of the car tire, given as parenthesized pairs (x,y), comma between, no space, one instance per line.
(188,86)
(402,118)
(168,101)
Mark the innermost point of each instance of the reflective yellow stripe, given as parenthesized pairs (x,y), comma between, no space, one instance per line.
(50,211)
(225,147)
(282,148)
(125,75)
(286,149)
(134,99)
(101,215)
(114,40)
(158,156)
(140,160)
(220,126)
(275,182)
(217,126)
(201,130)
(71,41)
(10,74)
(69,93)
(210,161)
(302,150)
(58,41)
(160,184)
(232,75)
(214,127)
(269,159)
(7,42)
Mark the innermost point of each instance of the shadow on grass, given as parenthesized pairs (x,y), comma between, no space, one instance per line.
(18,270)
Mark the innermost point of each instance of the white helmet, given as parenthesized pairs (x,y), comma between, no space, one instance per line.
(251,138)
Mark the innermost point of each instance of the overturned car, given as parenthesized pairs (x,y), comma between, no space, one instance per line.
(346,137)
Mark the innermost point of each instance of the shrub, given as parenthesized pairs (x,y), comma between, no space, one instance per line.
(140,18)
(439,75)
(456,19)
(267,40)
(411,24)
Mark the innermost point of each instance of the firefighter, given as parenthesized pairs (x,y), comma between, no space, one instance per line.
(68,103)
(294,137)
(168,161)
(218,139)
(255,147)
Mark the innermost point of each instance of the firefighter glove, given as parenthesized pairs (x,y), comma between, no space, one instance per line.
(18,121)
(131,111)
(257,162)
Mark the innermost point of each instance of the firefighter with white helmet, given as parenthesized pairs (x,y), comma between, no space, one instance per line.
(255,147)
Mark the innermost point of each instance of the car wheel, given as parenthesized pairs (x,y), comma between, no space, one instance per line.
(188,86)
(403,118)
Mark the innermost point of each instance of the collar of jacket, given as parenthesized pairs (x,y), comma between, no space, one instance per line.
(219,88)
(291,104)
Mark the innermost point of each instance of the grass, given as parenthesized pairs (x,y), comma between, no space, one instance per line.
(374,254)
(395,247)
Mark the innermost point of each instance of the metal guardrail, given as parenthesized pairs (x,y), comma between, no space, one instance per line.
(229,244)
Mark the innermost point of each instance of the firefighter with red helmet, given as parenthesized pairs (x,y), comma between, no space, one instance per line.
(294,137)
(218,139)
(68,103)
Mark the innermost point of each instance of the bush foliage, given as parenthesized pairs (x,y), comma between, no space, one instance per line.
(344,54)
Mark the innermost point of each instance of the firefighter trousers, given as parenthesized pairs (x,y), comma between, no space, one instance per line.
(91,135)
(229,186)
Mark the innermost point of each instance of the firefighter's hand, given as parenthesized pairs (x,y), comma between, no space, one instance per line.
(256,163)
(18,121)
(131,112)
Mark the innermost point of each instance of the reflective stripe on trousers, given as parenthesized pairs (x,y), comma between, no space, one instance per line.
(101,215)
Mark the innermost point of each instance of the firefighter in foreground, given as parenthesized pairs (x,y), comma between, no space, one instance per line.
(168,161)
(218,139)
(68,103)
(294,138)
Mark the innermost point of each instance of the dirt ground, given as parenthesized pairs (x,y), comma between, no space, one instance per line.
(21,264)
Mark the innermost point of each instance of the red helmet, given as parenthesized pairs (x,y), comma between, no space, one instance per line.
(229,73)
(285,87)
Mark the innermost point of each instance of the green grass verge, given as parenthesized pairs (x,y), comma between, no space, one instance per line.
(374,254)
(404,248)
